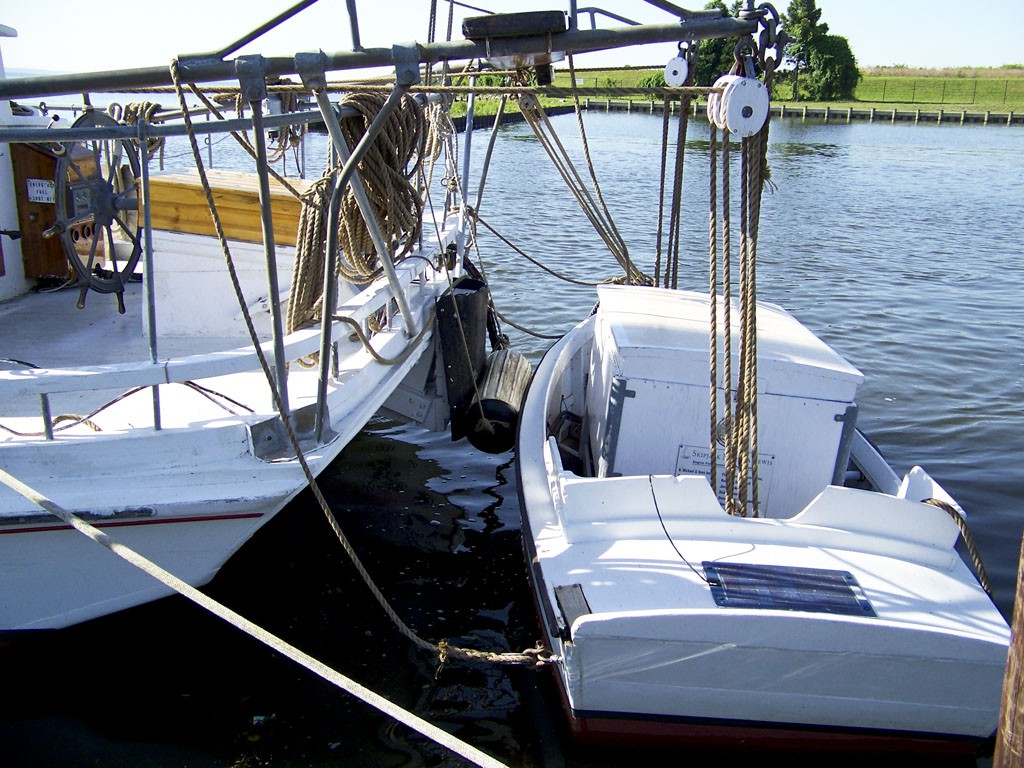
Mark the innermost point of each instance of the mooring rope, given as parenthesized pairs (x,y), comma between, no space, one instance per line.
(968,537)
(252,629)
(531,657)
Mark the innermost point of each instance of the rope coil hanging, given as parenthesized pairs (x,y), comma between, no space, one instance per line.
(132,113)
(388,172)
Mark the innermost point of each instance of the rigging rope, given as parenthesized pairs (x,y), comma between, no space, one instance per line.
(712,298)
(738,430)
(632,275)
(598,214)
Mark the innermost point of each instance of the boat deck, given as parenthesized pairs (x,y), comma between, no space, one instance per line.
(639,544)
(47,330)
(856,613)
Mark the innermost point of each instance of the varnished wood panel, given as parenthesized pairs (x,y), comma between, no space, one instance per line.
(179,205)
(43,257)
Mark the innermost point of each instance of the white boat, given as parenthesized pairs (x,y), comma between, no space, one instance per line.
(154,416)
(160,424)
(841,616)
(718,556)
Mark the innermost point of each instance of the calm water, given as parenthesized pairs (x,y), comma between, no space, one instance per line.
(899,245)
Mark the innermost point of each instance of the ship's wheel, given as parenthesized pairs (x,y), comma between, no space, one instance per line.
(97,208)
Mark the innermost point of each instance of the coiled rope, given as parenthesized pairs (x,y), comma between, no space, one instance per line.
(132,113)
(387,172)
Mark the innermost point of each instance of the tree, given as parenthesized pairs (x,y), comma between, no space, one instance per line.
(716,57)
(802,23)
(832,69)
(653,80)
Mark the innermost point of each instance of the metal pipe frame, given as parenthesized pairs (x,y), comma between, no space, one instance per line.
(206,70)
(147,228)
(460,247)
(164,129)
(259,31)
(349,172)
(252,78)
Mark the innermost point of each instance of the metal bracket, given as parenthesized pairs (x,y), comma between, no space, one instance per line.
(251,72)
(311,69)
(268,439)
(407,63)
(849,421)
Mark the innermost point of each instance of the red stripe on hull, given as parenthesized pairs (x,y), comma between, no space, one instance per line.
(147,521)
(619,729)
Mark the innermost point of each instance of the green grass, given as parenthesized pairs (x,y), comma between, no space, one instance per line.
(488,105)
(976,94)
(974,90)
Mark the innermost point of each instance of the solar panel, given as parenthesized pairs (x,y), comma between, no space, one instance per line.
(785,588)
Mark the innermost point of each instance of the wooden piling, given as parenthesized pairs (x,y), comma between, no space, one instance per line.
(1009,749)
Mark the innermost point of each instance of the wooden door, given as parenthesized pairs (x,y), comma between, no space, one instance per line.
(34,170)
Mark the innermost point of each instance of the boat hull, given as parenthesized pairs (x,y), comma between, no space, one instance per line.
(91,581)
(603,728)
(187,495)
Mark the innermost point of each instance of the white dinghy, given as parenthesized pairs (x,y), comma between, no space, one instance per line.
(717,554)
(843,611)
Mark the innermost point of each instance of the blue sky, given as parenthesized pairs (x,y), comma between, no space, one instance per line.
(67,35)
